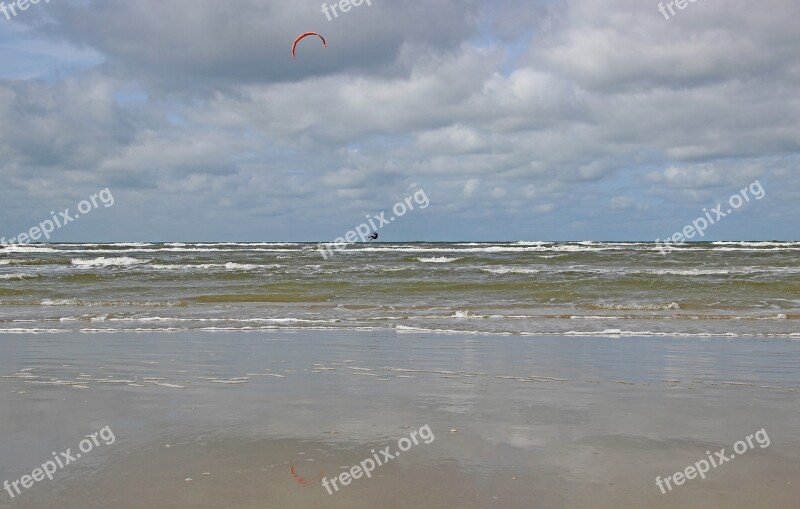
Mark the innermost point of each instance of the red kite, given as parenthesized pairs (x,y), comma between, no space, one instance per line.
(294,46)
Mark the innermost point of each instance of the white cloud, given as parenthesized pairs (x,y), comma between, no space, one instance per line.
(470,187)
(602,104)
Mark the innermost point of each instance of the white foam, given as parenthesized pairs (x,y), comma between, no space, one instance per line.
(755,243)
(440,259)
(690,272)
(492,249)
(28,249)
(209,266)
(721,271)
(641,307)
(59,302)
(465,314)
(787,247)
(595,317)
(102,261)
(240,266)
(158,249)
(510,270)
(82,303)
(32,330)
(150,319)
(613,333)
(620,332)
(18,276)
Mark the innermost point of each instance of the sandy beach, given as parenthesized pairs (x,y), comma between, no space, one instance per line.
(259,419)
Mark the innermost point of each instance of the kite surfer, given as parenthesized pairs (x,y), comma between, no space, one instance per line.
(373,236)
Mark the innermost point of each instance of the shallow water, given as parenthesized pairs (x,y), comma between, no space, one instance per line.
(566,421)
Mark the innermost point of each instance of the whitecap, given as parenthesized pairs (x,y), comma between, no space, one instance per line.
(634,306)
(439,259)
(18,276)
(124,261)
(28,249)
(510,270)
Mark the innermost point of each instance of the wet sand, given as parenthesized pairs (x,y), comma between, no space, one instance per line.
(218,420)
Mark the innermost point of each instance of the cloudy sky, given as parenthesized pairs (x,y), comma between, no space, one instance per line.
(520,119)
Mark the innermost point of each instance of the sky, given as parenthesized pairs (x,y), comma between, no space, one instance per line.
(519,119)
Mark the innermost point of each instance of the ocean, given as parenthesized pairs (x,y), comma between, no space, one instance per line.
(617,289)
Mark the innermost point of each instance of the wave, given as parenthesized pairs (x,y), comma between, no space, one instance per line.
(172,244)
(35,261)
(241,266)
(466,314)
(27,249)
(90,244)
(634,306)
(755,243)
(14,277)
(158,249)
(101,318)
(440,259)
(147,319)
(459,327)
(102,261)
(608,333)
(214,299)
(491,249)
(510,270)
(743,249)
(691,272)
(110,303)
(32,330)
(611,333)
(208,266)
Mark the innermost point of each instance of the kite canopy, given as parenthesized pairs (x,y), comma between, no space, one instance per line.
(294,46)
